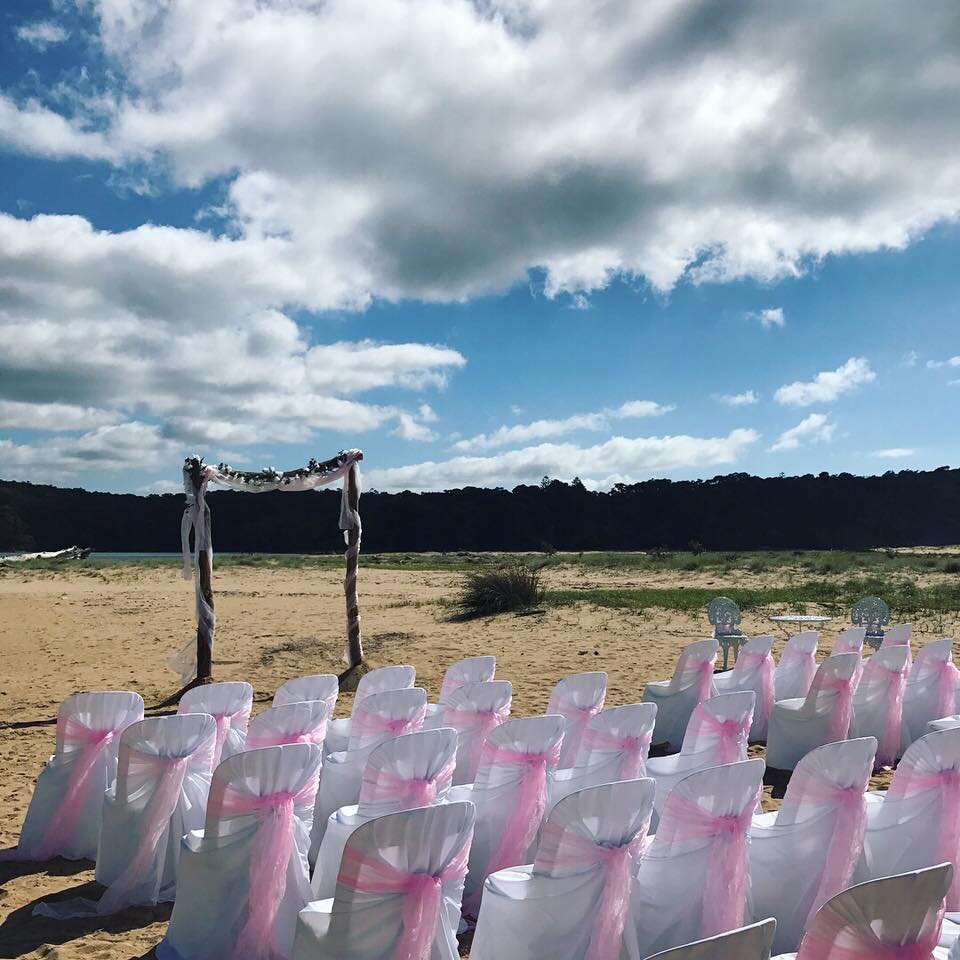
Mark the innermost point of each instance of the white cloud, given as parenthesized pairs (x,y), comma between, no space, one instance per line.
(541,429)
(409,428)
(160,486)
(745,399)
(813,429)
(42,34)
(53,416)
(949,362)
(828,385)
(619,459)
(442,149)
(911,358)
(771,317)
(893,453)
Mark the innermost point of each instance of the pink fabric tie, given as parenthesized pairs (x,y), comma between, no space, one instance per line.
(423,895)
(276,738)
(704,679)
(947,676)
(383,786)
(907,783)
(763,663)
(225,723)
(366,723)
(805,661)
(889,747)
(577,719)
(835,938)
(731,734)
(841,710)
(270,856)
(476,726)
(727,874)
(633,750)
(572,853)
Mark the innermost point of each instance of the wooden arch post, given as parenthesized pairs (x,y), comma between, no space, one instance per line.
(206,622)
(352,558)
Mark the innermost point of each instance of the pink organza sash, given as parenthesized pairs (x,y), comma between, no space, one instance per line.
(272,848)
(526,813)
(947,676)
(727,874)
(275,738)
(907,783)
(633,750)
(835,938)
(804,661)
(568,852)
(731,734)
(703,681)
(846,837)
(763,663)
(476,726)
(423,894)
(841,710)
(577,719)
(225,723)
(889,747)
(383,786)
(367,723)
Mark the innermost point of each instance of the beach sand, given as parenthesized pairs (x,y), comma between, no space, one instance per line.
(114,628)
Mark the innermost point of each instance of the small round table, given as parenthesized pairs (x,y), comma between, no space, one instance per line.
(800,619)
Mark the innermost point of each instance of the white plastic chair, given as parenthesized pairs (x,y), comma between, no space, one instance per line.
(692,683)
(289,723)
(163,777)
(693,882)
(510,794)
(243,878)
(931,691)
(63,819)
(815,839)
(799,725)
(849,641)
(319,686)
(746,943)
(614,747)
(403,867)
(797,666)
(414,770)
(878,702)
(474,710)
(468,670)
(380,717)
(573,900)
(916,822)
(396,677)
(894,918)
(717,733)
(754,670)
(578,699)
(229,703)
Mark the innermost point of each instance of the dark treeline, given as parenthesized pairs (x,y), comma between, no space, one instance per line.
(733,512)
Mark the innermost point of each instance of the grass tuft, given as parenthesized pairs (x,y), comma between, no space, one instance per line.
(488,592)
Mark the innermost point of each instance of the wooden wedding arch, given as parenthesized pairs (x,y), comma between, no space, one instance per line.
(198,563)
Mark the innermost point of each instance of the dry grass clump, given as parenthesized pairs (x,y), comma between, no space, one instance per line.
(515,587)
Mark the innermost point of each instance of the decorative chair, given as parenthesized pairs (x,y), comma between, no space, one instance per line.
(931,692)
(577,699)
(754,670)
(878,702)
(725,617)
(394,677)
(797,666)
(459,674)
(319,686)
(873,615)
(474,710)
(289,723)
(746,943)
(229,703)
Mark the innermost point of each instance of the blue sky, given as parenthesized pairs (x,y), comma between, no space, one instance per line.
(482,242)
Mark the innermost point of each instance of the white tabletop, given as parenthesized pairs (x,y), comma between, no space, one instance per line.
(801,618)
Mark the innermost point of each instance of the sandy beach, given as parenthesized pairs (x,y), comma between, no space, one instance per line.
(114,628)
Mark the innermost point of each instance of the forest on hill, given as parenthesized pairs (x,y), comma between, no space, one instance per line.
(732,512)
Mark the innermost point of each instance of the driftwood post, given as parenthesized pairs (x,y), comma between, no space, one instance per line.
(205,616)
(352,558)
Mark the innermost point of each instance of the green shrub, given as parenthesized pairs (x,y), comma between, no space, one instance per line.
(486,592)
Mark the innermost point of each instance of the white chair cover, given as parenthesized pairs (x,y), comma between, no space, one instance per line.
(799,725)
(931,691)
(572,902)
(474,710)
(850,641)
(797,666)
(510,794)
(63,819)
(414,770)
(289,723)
(398,893)
(746,943)
(382,717)
(944,723)
(163,777)
(898,635)
(246,872)
(614,747)
(693,882)
(894,918)
(692,683)
(229,704)
(815,839)
(578,699)
(319,686)
(754,670)
(878,702)
(916,823)
(716,734)
(380,680)
(468,670)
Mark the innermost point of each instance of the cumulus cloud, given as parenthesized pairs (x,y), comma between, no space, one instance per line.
(771,317)
(53,416)
(893,453)
(813,429)
(949,362)
(541,429)
(445,148)
(42,34)
(619,459)
(160,486)
(827,385)
(745,399)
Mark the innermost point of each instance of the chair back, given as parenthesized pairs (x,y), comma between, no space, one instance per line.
(720,727)
(319,686)
(382,679)
(81,713)
(468,670)
(229,703)
(578,699)
(850,641)
(289,723)
(619,737)
(873,615)
(745,943)
(695,667)
(383,716)
(474,710)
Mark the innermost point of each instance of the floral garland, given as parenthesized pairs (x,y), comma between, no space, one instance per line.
(270,476)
